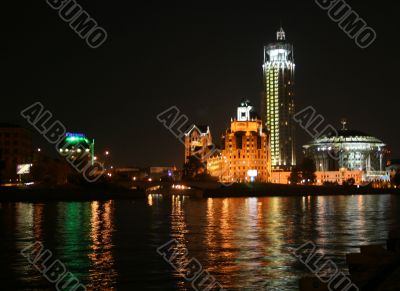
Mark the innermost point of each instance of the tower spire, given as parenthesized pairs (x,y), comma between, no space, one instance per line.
(280,35)
(343,121)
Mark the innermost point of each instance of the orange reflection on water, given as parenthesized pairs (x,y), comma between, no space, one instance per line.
(178,224)
(245,238)
(38,222)
(23,224)
(102,272)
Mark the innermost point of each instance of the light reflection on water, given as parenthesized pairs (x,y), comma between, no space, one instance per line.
(244,242)
(102,273)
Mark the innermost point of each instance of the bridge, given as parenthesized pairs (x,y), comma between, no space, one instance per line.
(187,188)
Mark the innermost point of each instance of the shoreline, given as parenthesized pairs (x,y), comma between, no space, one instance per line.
(281,190)
(112,192)
(67,194)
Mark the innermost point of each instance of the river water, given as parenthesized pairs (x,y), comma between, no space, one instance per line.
(244,243)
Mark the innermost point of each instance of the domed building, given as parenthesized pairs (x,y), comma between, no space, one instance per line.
(350,150)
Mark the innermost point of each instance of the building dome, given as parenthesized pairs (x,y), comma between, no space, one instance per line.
(346,149)
(347,136)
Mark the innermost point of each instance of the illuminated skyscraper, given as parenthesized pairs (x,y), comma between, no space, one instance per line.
(278,114)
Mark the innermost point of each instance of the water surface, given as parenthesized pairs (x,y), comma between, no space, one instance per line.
(244,243)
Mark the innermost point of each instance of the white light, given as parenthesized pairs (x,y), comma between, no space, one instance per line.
(252,173)
(278,55)
(23,169)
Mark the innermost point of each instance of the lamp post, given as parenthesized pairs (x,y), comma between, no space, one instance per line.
(106,156)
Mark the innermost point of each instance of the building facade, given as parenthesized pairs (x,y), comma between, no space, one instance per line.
(198,142)
(77,147)
(15,149)
(244,155)
(332,177)
(350,150)
(278,111)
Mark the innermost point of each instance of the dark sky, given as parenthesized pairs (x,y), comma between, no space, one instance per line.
(201,57)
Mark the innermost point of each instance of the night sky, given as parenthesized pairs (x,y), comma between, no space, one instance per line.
(200,57)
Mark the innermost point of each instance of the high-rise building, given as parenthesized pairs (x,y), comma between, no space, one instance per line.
(244,156)
(278,111)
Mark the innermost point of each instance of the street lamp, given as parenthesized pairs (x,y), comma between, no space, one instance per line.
(106,156)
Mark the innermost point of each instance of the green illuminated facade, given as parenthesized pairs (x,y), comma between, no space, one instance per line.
(279,69)
(77,146)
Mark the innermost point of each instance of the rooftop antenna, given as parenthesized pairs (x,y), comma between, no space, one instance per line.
(343,121)
(280,35)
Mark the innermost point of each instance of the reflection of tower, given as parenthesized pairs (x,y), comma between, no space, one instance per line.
(279,71)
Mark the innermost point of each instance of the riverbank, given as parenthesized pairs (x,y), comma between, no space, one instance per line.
(114,192)
(68,193)
(266,190)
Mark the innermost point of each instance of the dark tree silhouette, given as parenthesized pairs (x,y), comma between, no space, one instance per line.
(308,168)
(295,176)
(396,178)
(350,182)
(2,167)
(193,168)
